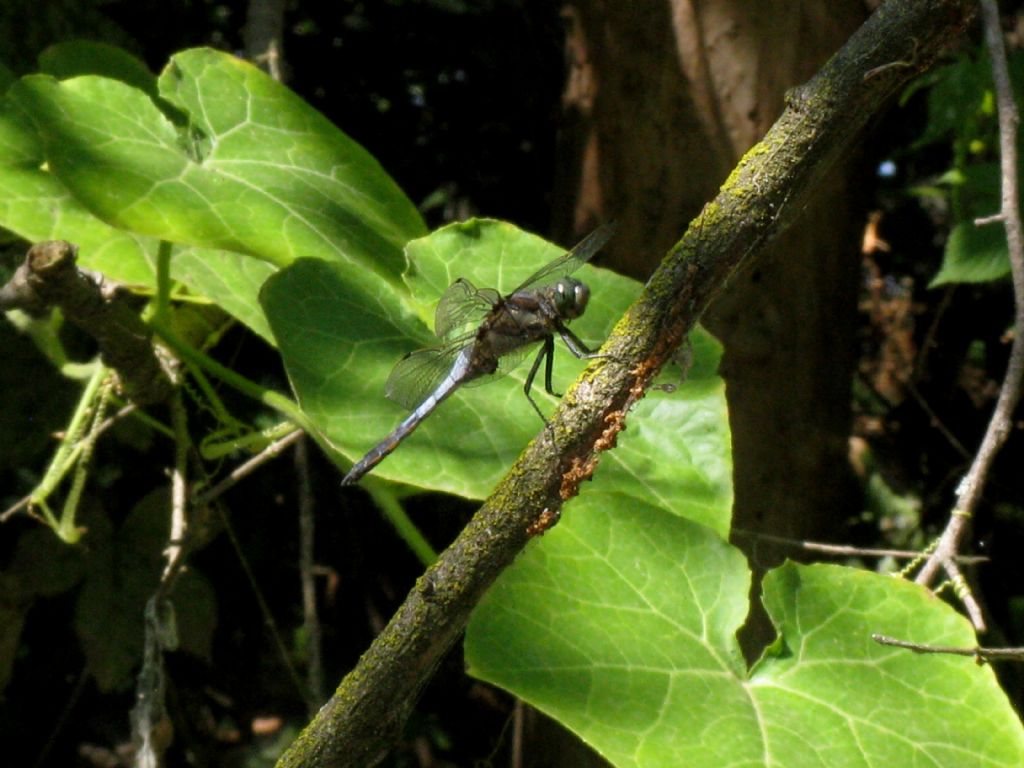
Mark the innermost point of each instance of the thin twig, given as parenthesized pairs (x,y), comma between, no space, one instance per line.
(973,484)
(935,421)
(16,507)
(263,33)
(246,468)
(310,619)
(518,714)
(979,653)
(963,591)
(175,550)
(264,607)
(70,702)
(928,342)
(149,714)
(843,550)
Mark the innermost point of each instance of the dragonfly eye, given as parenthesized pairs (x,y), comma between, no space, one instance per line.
(572,298)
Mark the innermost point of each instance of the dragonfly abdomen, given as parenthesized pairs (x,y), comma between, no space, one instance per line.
(461,372)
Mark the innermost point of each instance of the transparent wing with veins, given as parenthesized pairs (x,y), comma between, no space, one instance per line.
(419,373)
(568,263)
(462,305)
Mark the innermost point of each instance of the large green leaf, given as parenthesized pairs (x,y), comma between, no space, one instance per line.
(240,174)
(340,341)
(255,170)
(34,205)
(621,623)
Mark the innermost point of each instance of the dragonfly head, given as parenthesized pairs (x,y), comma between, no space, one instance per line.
(571,297)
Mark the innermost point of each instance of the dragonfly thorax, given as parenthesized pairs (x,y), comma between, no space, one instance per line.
(570,298)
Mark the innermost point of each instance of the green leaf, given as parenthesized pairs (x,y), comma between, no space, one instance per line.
(621,624)
(20,144)
(256,170)
(93,160)
(252,172)
(979,185)
(122,572)
(44,564)
(35,206)
(338,370)
(86,57)
(974,255)
(232,280)
(955,99)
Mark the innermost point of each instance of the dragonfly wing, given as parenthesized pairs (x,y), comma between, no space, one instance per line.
(569,262)
(506,364)
(462,305)
(419,373)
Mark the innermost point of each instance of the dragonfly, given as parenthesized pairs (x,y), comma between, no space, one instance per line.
(483,336)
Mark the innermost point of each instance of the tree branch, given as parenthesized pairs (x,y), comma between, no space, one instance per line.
(772,183)
(49,278)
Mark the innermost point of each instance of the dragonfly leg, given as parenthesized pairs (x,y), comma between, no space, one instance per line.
(547,351)
(576,345)
(548,365)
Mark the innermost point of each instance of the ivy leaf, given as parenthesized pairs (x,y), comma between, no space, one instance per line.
(229,165)
(620,623)
(255,169)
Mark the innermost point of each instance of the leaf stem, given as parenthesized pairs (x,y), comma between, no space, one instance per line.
(193,356)
(162,303)
(68,451)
